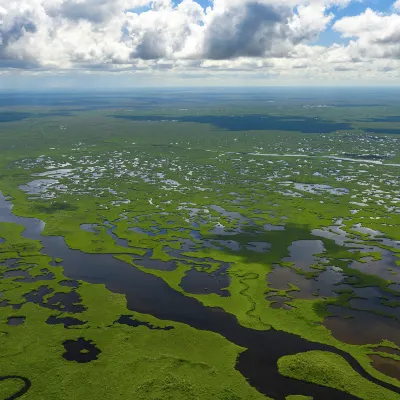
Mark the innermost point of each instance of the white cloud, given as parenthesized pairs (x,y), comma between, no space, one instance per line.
(247,36)
(375,35)
(67,33)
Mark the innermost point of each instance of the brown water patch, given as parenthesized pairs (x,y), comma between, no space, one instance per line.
(387,366)
(361,327)
(388,350)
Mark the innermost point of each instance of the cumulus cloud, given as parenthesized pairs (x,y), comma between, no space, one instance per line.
(69,33)
(96,11)
(374,35)
(251,36)
(254,30)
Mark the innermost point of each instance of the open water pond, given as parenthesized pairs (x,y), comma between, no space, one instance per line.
(280,302)
(387,366)
(375,300)
(66,321)
(361,327)
(198,282)
(92,228)
(387,350)
(303,253)
(385,268)
(16,273)
(80,350)
(324,285)
(16,321)
(42,186)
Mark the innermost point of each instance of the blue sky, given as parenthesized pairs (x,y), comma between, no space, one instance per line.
(352,9)
(329,37)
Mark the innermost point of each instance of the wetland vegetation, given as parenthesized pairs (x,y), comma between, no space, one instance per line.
(189,245)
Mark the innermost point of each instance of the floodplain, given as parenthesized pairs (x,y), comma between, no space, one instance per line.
(196,245)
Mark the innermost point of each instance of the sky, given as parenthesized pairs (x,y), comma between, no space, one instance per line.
(122,44)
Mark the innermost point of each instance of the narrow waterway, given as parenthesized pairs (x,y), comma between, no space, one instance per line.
(148,294)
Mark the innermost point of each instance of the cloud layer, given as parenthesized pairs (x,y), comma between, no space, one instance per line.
(262,36)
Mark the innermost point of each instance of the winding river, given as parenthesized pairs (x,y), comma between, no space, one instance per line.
(148,294)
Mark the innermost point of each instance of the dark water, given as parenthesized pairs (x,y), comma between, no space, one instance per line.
(148,294)
(303,253)
(69,283)
(198,282)
(25,383)
(388,350)
(387,366)
(361,327)
(16,321)
(251,122)
(16,273)
(322,286)
(63,302)
(11,116)
(66,321)
(128,320)
(81,350)
(279,302)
